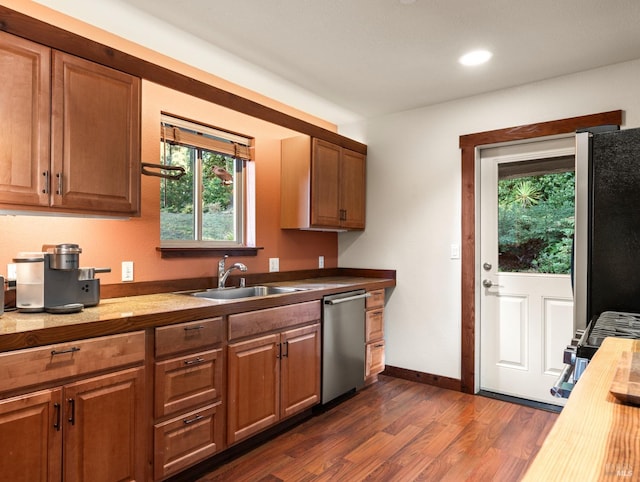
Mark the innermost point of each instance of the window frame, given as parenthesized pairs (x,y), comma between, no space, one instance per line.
(243,191)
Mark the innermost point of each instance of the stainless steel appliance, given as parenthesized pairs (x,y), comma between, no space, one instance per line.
(343,344)
(59,285)
(607,242)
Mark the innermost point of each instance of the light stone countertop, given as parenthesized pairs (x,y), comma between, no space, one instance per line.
(118,315)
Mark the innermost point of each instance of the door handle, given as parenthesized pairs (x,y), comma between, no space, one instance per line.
(487,283)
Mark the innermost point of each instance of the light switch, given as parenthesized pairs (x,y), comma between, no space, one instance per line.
(455,251)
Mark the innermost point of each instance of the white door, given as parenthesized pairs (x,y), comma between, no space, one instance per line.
(525,295)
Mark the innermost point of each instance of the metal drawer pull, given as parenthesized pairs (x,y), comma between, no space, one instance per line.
(346,299)
(45,190)
(72,411)
(73,349)
(193,362)
(191,420)
(379,346)
(190,328)
(56,424)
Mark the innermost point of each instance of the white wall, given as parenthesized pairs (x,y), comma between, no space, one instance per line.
(413,199)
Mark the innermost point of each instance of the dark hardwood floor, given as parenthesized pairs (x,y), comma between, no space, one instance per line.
(397,430)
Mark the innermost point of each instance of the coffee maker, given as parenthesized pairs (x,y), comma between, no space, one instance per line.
(53,281)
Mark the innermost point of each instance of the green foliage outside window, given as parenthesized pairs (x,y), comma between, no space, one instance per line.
(536,223)
(177,205)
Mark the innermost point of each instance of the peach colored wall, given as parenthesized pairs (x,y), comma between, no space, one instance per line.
(108,242)
(65,22)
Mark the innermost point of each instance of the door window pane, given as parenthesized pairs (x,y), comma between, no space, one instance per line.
(535,221)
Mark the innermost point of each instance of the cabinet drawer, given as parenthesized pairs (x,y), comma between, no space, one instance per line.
(186,382)
(376,300)
(186,440)
(193,335)
(375,358)
(24,368)
(263,321)
(374,323)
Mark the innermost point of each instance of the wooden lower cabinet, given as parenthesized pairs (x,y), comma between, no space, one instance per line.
(30,443)
(374,336)
(183,441)
(270,378)
(92,429)
(104,428)
(189,416)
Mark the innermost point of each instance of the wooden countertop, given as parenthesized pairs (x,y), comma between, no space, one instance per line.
(119,315)
(596,437)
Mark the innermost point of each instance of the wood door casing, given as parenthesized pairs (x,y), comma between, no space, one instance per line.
(468,145)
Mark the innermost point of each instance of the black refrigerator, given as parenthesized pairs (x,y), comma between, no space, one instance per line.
(607,249)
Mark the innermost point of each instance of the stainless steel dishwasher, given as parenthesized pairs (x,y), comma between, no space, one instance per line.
(343,344)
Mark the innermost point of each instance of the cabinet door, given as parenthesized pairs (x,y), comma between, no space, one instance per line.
(186,382)
(95,138)
(25,118)
(375,358)
(31,437)
(352,189)
(374,325)
(300,369)
(325,184)
(188,439)
(253,386)
(104,428)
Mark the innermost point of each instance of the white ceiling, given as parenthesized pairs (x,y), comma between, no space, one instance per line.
(373,57)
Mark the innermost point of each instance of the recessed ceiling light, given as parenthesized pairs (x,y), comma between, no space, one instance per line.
(476,57)
(407,2)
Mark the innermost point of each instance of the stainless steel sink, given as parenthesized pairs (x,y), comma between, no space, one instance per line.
(244,292)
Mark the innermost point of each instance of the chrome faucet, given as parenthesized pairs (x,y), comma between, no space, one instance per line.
(223,275)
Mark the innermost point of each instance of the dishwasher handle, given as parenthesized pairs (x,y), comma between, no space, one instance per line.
(347,298)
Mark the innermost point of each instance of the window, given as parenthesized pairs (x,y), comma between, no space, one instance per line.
(207,207)
(536,208)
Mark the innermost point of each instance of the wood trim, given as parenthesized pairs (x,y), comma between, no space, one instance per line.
(202,252)
(468,144)
(420,377)
(43,33)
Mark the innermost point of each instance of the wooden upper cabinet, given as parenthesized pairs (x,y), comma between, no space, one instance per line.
(70,132)
(95,140)
(25,117)
(352,189)
(322,185)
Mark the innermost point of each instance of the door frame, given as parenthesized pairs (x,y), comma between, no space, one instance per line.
(469,145)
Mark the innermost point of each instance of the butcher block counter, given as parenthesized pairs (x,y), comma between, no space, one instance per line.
(596,437)
(125,314)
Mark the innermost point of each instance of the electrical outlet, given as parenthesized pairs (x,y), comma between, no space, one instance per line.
(11,271)
(274,264)
(127,271)
(320,262)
